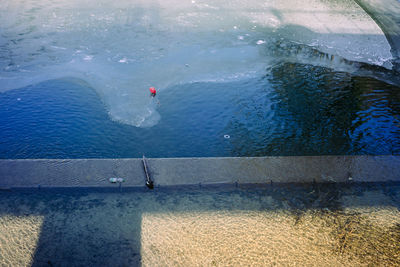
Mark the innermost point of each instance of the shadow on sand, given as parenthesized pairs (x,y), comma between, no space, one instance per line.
(103,227)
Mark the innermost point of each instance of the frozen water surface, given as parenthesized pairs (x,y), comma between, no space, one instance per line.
(122,47)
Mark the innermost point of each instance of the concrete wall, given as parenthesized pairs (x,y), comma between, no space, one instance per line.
(386,14)
(185,171)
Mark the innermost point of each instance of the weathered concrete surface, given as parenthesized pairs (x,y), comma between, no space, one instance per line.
(69,172)
(186,171)
(386,14)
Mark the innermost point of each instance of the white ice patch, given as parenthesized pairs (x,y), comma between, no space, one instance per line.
(123,60)
(156,41)
(87,58)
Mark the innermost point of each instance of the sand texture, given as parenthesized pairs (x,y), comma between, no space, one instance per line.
(285,225)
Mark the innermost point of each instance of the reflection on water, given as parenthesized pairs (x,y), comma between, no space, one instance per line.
(323,112)
(330,224)
(123,47)
(294,109)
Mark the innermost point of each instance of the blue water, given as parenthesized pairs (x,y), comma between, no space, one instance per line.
(295,109)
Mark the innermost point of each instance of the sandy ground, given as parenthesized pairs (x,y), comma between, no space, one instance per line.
(18,239)
(328,225)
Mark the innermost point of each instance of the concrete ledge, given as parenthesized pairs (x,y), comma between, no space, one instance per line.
(187,171)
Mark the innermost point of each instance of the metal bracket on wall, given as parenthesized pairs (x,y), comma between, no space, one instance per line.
(149,182)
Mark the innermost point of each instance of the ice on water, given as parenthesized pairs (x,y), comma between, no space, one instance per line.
(123,47)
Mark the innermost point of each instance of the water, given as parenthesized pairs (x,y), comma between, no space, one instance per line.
(331,224)
(282,113)
(280,78)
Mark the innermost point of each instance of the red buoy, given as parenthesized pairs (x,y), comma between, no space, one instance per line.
(153,91)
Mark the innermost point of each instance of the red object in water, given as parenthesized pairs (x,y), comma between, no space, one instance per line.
(153,90)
